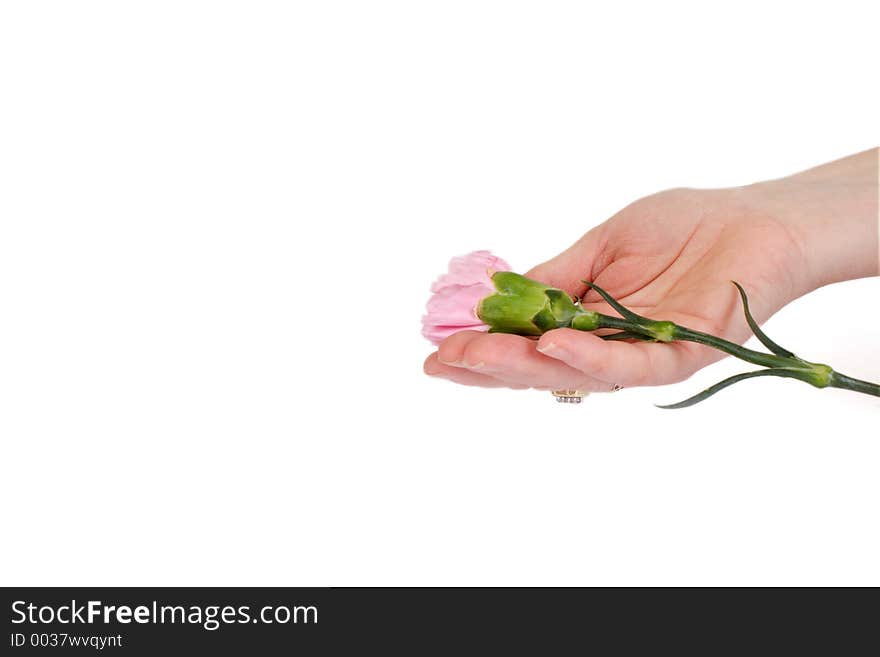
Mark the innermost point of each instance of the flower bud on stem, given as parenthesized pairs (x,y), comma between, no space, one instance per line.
(527,307)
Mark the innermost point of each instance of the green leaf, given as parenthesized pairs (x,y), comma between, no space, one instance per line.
(721,385)
(627,335)
(626,313)
(767,342)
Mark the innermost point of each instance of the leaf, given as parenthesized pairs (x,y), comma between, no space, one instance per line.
(626,313)
(627,335)
(721,385)
(767,342)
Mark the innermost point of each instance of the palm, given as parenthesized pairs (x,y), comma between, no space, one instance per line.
(672,256)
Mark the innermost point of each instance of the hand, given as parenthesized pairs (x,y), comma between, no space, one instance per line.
(672,256)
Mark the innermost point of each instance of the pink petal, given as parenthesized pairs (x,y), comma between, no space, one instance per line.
(454,305)
(437,334)
(457,293)
(469,269)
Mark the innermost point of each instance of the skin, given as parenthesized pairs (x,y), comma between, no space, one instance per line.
(671,256)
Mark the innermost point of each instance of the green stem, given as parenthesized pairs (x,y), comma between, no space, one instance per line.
(780,363)
(839,380)
(606,321)
(684,333)
(743,353)
(818,375)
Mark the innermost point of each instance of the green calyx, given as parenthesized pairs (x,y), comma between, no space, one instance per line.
(525,307)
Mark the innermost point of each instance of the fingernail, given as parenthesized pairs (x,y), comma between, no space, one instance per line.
(453,363)
(475,366)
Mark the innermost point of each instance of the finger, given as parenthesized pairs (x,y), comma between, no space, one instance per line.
(566,270)
(433,367)
(451,350)
(515,360)
(621,363)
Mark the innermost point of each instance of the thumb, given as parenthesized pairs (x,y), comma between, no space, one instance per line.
(566,270)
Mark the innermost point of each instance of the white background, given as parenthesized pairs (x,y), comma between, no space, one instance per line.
(218,225)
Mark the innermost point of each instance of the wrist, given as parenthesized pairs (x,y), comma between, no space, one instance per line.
(831,214)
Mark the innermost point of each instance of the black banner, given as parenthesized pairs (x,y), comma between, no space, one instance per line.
(315,621)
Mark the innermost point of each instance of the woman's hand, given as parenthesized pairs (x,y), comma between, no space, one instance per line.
(672,256)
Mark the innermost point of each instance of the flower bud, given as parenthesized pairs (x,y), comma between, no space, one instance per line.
(524,306)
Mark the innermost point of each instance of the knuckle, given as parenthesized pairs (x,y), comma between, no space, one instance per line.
(491,350)
(450,350)
(477,351)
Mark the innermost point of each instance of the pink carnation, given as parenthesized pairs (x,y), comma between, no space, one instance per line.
(456,294)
